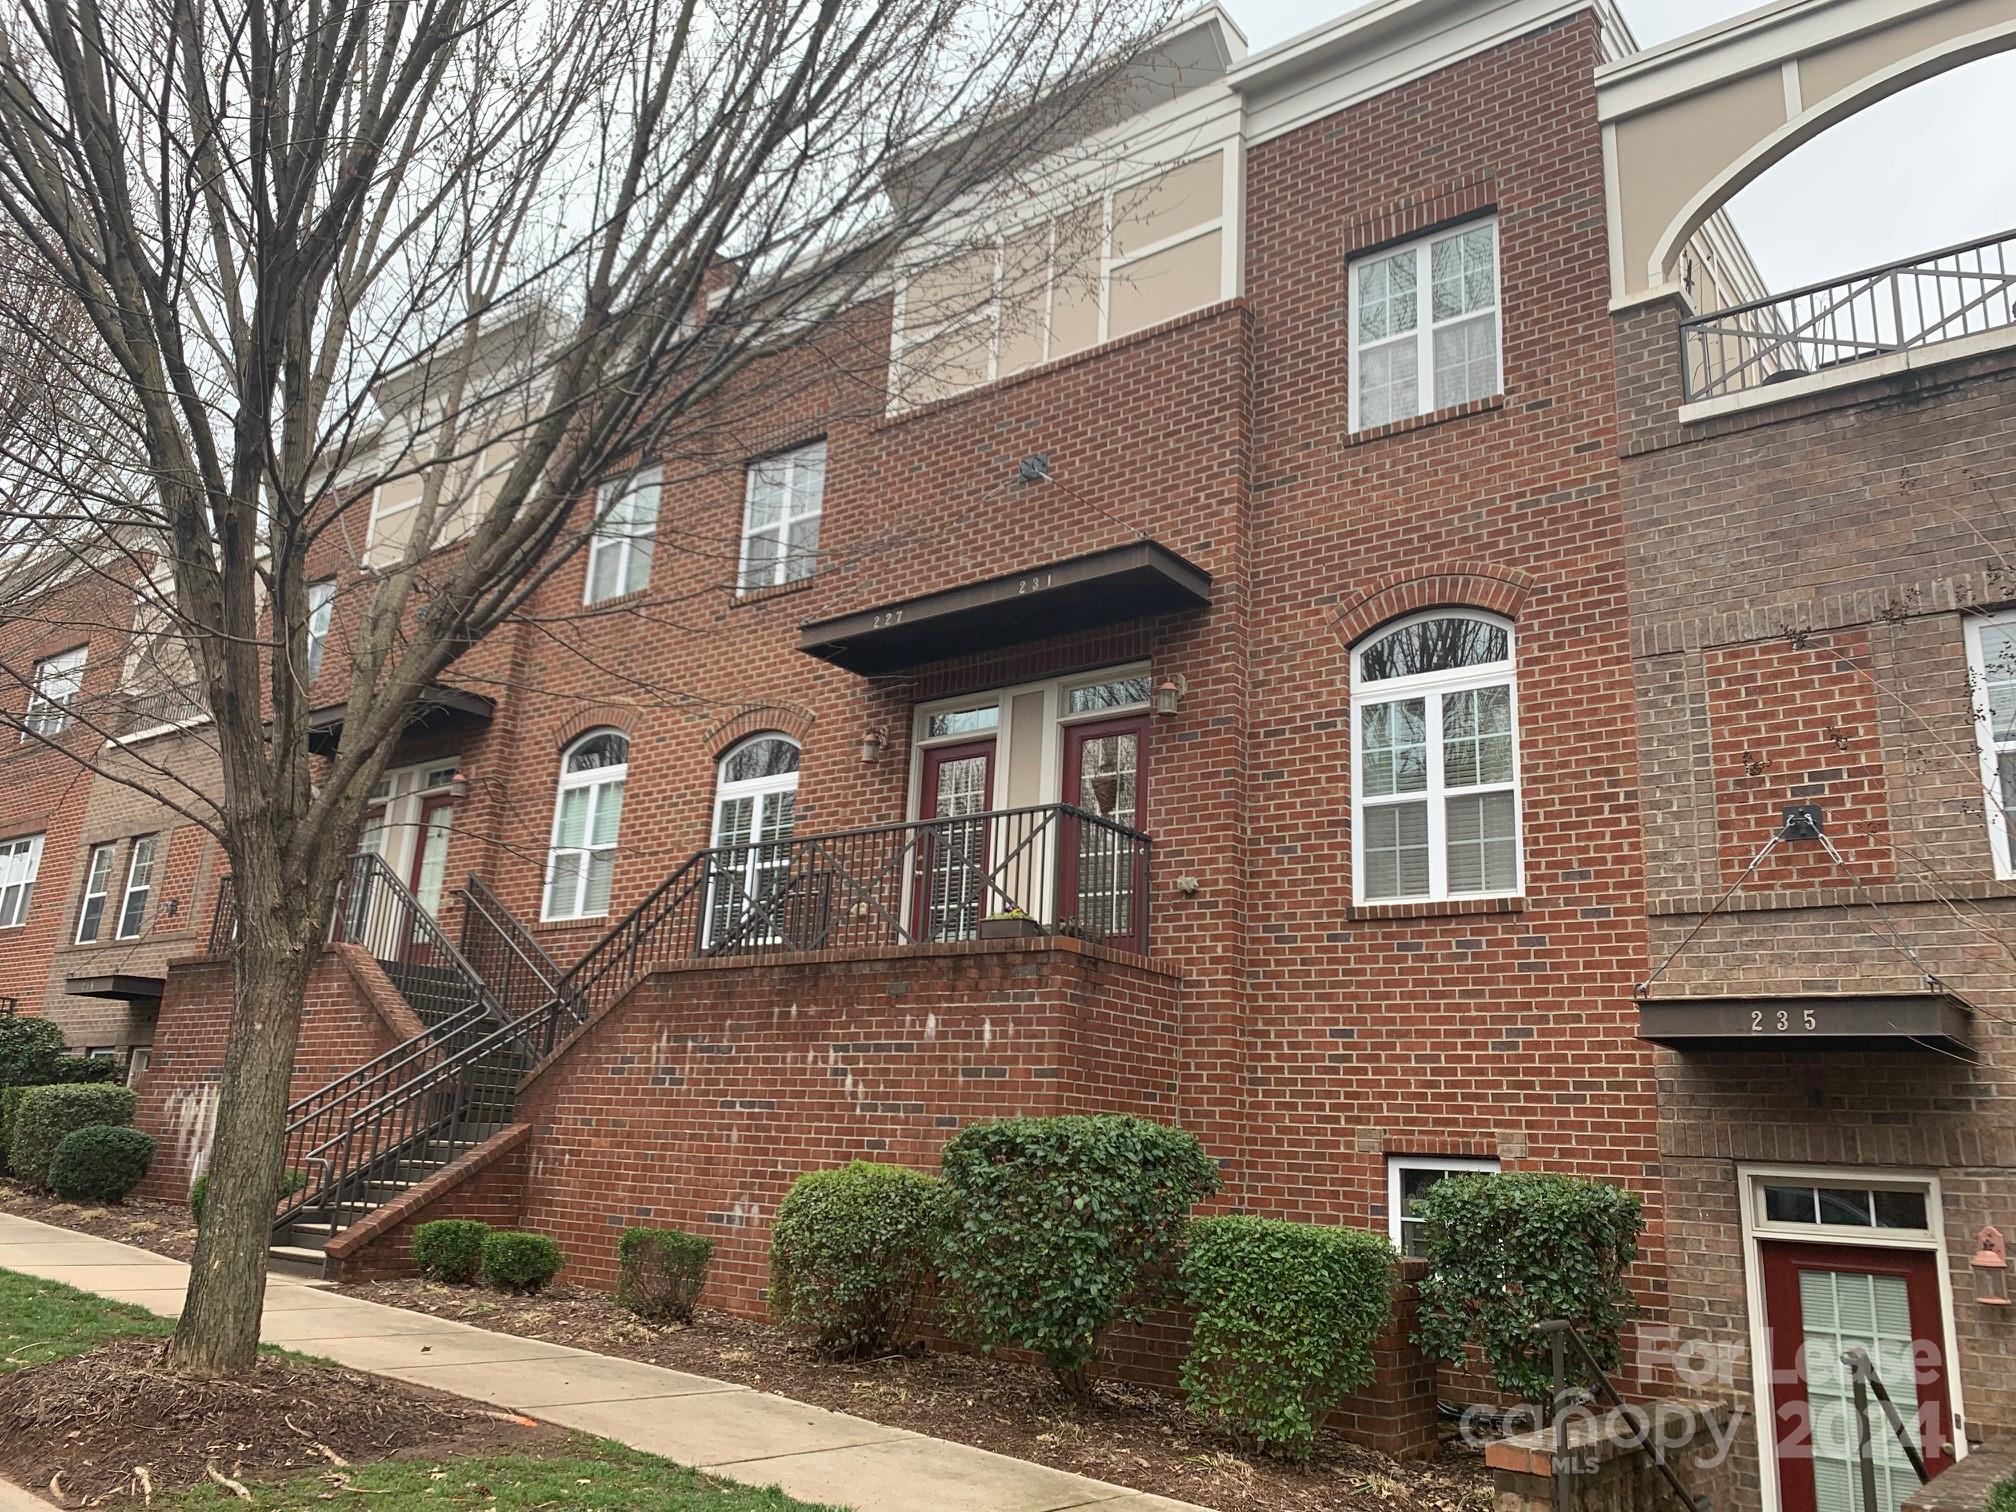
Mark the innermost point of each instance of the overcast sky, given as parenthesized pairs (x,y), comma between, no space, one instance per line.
(1924,169)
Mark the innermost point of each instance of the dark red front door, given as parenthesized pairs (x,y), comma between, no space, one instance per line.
(957,781)
(1106,871)
(1819,1301)
(430,865)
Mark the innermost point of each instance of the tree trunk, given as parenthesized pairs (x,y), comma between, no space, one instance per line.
(218,1333)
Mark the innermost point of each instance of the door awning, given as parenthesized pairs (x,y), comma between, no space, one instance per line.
(437,708)
(1080,593)
(1812,1021)
(118,985)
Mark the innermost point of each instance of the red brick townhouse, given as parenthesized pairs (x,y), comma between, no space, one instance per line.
(1819,504)
(1203,688)
(99,885)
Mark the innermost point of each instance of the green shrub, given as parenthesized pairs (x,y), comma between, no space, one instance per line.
(292,1182)
(84,1070)
(2003,1497)
(100,1162)
(1286,1315)
(520,1262)
(660,1273)
(29,1050)
(10,1104)
(1057,1228)
(1506,1252)
(450,1250)
(46,1114)
(852,1252)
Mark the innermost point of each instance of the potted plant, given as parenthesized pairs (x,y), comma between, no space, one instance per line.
(1014,924)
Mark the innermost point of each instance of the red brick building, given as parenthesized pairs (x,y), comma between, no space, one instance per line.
(1234,678)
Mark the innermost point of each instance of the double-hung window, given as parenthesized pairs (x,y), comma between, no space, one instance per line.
(20,860)
(139,887)
(780,520)
(587,816)
(1436,790)
(1424,325)
(1991,658)
(321,607)
(626,522)
(1407,1178)
(97,883)
(53,699)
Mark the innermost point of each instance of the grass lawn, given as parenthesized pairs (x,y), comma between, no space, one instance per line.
(45,1320)
(593,1476)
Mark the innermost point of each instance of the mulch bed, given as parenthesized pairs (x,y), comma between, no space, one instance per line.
(163,1227)
(1125,1434)
(113,1427)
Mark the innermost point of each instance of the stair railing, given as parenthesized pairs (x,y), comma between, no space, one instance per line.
(1862,1373)
(515,967)
(375,910)
(1563,1342)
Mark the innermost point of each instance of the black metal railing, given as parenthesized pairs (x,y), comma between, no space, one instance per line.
(1958,291)
(224,917)
(516,969)
(1578,1379)
(1051,869)
(1864,1379)
(375,910)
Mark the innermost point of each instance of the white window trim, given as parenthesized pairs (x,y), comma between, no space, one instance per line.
(761,789)
(119,931)
(139,1060)
(793,461)
(46,716)
(1425,325)
(320,614)
(1430,688)
(2000,845)
(31,847)
(1228,222)
(1397,1165)
(569,781)
(624,540)
(1749,1179)
(103,893)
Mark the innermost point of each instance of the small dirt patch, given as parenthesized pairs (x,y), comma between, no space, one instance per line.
(112,1426)
(1125,1434)
(163,1227)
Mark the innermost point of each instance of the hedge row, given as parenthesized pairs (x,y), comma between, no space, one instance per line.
(42,1116)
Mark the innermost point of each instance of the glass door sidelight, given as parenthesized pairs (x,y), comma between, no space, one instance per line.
(957,781)
(434,829)
(1106,775)
(1820,1300)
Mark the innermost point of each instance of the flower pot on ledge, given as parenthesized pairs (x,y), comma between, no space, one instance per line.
(1009,929)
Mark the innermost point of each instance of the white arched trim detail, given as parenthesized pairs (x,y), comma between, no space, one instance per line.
(1956,52)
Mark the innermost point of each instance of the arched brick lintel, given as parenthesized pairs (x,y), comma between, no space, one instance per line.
(754,720)
(597,717)
(1466,585)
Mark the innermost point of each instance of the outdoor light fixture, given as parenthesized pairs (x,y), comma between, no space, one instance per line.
(871,745)
(1168,693)
(1991,1269)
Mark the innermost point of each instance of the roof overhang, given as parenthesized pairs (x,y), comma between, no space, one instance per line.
(118,985)
(1081,593)
(436,708)
(1935,1021)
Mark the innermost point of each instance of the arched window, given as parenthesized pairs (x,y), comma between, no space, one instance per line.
(1435,790)
(586,816)
(755,801)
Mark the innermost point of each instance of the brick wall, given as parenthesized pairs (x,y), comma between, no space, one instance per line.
(353,1014)
(1800,574)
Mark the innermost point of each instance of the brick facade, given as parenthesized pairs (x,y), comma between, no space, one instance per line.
(1801,573)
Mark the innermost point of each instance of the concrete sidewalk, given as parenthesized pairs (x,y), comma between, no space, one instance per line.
(746,1435)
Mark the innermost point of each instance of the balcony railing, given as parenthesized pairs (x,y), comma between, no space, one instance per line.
(1942,296)
(1048,870)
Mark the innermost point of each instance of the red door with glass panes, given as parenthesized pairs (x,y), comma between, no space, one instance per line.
(951,863)
(430,869)
(1105,869)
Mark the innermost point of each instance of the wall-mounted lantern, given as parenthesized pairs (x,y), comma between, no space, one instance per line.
(1168,695)
(872,742)
(1991,1269)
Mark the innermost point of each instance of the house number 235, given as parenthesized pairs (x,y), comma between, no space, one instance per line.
(1780,1022)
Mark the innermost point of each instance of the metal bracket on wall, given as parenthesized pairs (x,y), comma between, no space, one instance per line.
(1803,821)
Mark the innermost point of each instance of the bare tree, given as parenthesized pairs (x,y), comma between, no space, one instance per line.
(323,249)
